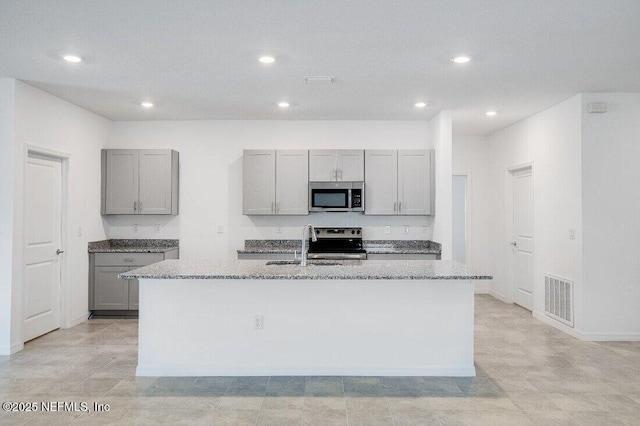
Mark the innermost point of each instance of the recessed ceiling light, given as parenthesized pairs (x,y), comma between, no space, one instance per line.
(267,59)
(283,104)
(462,59)
(147,104)
(420,104)
(72,58)
(490,113)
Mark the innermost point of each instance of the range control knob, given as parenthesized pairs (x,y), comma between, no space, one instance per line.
(358,232)
(353,232)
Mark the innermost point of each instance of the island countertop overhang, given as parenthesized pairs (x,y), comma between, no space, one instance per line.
(346,270)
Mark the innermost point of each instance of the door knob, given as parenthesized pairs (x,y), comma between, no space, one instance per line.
(59,251)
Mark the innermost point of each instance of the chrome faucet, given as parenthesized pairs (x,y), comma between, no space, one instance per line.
(303,254)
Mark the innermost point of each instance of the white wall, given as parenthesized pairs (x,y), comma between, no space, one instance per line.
(48,122)
(471,157)
(611,218)
(7,129)
(551,140)
(211,179)
(440,132)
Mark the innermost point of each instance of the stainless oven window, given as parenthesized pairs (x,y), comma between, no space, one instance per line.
(329,198)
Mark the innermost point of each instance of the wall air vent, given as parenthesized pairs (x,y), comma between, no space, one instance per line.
(597,107)
(558,299)
(320,79)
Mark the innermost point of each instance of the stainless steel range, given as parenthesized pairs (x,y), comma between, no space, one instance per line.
(337,243)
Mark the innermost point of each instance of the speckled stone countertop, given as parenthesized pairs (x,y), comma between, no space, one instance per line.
(320,270)
(132,246)
(372,246)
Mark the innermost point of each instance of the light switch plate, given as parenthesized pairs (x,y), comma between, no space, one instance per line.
(220,229)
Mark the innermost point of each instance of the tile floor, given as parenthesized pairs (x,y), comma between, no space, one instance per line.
(528,373)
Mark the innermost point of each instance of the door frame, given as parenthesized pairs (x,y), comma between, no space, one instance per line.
(65,291)
(468,214)
(508,228)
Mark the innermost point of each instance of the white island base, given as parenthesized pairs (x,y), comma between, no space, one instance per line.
(351,327)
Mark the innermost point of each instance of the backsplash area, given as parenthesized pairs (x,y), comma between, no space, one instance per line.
(221,237)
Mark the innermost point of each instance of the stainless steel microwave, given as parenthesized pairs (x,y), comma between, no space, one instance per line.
(336,196)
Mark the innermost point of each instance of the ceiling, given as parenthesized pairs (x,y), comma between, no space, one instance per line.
(197,59)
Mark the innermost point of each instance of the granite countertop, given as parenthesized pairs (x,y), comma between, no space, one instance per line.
(372,246)
(319,270)
(132,246)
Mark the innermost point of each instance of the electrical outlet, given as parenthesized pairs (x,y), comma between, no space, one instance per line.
(279,230)
(406,229)
(387,229)
(220,229)
(135,227)
(258,322)
(572,234)
(157,227)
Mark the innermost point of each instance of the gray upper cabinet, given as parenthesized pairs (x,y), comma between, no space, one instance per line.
(381,182)
(275,182)
(120,181)
(336,165)
(140,181)
(399,182)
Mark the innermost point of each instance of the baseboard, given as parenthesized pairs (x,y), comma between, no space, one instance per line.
(11,349)
(499,296)
(558,325)
(310,371)
(79,320)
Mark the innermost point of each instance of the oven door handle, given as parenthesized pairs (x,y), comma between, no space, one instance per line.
(349,196)
(337,256)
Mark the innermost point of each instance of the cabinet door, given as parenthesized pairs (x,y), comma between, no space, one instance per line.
(292,182)
(134,295)
(109,292)
(120,181)
(258,182)
(414,182)
(155,181)
(322,165)
(381,182)
(350,165)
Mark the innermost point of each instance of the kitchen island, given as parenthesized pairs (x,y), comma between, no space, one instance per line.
(381,318)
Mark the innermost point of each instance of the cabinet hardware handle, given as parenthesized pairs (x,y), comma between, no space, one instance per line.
(278,207)
(59,251)
(334,174)
(340,171)
(135,205)
(400,207)
(514,244)
(395,206)
(140,206)
(272,207)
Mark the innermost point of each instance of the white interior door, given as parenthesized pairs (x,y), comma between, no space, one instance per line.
(43,227)
(522,243)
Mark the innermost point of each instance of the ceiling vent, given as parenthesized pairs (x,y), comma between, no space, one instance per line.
(597,107)
(320,79)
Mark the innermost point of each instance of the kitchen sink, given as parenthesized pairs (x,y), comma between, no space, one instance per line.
(309,262)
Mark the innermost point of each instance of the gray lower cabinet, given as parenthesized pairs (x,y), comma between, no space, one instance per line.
(403,256)
(370,256)
(109,295)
